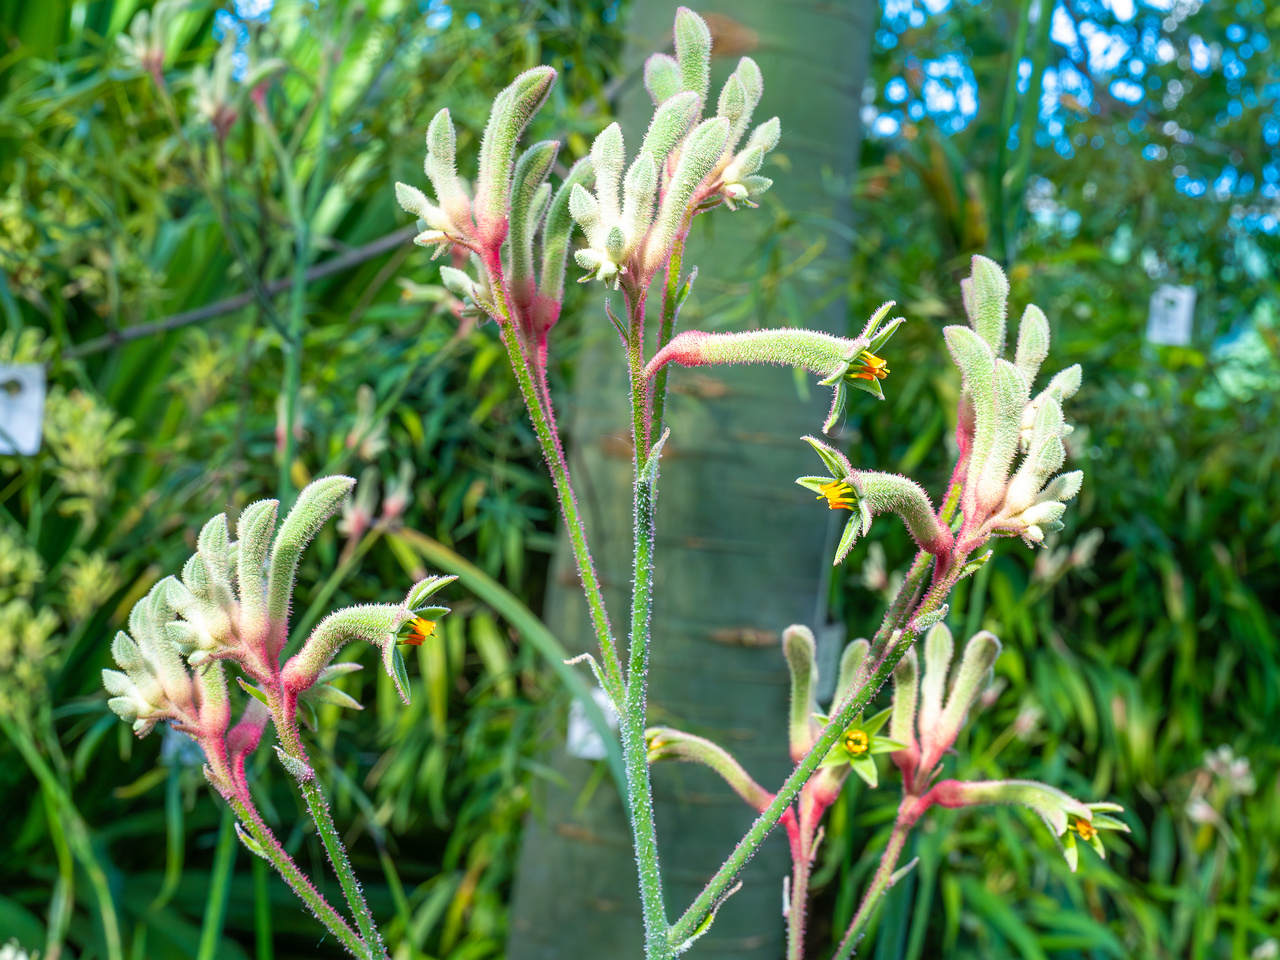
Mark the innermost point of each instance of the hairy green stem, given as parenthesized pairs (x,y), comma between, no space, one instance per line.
(544,426)
(875,892)
(319,809)
(77,833)
(284,715)
(801,867)
(908,594)
(666,329)
(840,720)
(635,754)
(296,879)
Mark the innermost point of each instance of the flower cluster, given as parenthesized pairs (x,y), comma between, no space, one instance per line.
(517,229)
(85,437)
(684,165)
(231,605)
(928,714)
(143,45)
(513,207)
(1000,420)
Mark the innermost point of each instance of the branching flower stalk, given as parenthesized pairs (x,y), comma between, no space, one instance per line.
(635,225)
(231,605)
(515,232)
(231,608)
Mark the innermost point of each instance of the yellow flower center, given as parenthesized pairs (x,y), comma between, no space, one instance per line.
(872,368)
(857,742)
(839,495)
(1086,830)
(419,629)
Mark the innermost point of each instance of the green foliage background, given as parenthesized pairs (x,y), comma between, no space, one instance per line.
(1120,673)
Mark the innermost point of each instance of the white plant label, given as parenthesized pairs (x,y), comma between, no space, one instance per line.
(584,740)
(21,408)
(1172,311)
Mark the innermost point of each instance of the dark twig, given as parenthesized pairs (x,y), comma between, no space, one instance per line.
(209,311)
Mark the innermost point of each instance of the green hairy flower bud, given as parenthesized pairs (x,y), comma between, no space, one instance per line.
(748,77)
(1066,816)
(662,79)
(512,110)
(902,721)
(733,100)
(378,624)
(526,213)
(841,362)
(666,743)
(986,297)
(800,649)
(556,230)
(939,648)
(671,122)
(608,155)
(1009,396)
(697,158)
(1033,342)
(693,52)
(972,677)
(317,502)
(639,190)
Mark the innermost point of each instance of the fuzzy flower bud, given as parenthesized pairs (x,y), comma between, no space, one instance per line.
(840,361)
(512,111)
(800,649)
(666,743)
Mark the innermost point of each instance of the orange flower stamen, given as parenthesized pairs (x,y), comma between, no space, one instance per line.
(839,495)
(873,367)
(419,628)
(1086,830)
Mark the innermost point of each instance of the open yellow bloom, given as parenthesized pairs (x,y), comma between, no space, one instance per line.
(417,630)
(857,742)
(1086,829)
(872,368)
(839,495)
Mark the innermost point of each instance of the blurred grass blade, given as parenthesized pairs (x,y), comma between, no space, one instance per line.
(508,606)
(215,911)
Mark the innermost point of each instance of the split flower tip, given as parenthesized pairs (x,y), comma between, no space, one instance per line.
(866,494)
(859,744)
